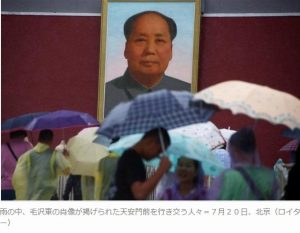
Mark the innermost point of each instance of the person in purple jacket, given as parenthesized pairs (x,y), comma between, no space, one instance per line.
(189,183)
(10,153)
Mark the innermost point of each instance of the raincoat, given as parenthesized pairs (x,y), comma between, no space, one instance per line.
(96,187)
(37,171)
(105,175)
(231,185)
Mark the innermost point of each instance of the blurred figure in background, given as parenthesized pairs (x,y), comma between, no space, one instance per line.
(73,186)
(246,180)
(105,176)
(189,184)
(291,190)
(36,173)
(10,153)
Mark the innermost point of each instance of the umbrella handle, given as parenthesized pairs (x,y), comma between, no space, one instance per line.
(162,144)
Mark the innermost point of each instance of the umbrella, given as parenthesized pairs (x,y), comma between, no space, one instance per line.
(207,133)
(226,134)
(295,133)
(88,133)
(85,155)
(19,122)
(223,156)
(103,140)
(180,146)
(164,108)
(253,100)
(62,119)
(290,146)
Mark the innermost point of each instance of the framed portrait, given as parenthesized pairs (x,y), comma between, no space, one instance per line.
(147,46)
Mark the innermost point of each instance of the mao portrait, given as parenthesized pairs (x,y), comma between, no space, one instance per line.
(148,52)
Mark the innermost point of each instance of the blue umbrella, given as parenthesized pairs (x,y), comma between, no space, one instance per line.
(19,122)
(164,108)
(62,119)
(295,133)
(180,146)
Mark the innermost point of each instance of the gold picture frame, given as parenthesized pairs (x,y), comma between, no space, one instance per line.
(185,47)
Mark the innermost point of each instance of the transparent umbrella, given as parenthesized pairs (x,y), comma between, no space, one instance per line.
(180,146)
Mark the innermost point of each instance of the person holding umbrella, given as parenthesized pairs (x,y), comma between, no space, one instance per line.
(36,173)
(130,178)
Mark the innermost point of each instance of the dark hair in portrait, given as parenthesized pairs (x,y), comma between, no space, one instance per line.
(130,21)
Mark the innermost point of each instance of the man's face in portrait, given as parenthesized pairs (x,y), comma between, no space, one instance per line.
(148,49)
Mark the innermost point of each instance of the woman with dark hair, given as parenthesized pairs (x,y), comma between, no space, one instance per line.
(190,182)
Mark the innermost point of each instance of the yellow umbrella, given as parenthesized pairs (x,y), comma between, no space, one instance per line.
(253,100)
(85,155)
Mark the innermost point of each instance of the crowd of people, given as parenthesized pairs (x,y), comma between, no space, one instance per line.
(32,173)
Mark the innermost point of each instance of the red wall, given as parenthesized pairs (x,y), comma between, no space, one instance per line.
(51,63)
(263,50)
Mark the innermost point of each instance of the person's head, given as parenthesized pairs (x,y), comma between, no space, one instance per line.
(242,147)
(188,170)
(152,140)
(148,48)
(46,136)
(17,134)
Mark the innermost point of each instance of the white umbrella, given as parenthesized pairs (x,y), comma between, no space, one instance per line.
(85,155)
(253,100)
(207,133)
(89,133)
(227,133)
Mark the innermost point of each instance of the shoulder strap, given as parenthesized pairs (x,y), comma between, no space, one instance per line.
(257,193)
(12,152)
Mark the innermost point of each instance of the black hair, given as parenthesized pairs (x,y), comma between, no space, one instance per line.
(244,140)
(156,132)
(18,134)
(130,21)
(199,179)
(45,135)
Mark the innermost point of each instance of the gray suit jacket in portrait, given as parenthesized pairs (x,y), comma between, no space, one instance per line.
(125,88)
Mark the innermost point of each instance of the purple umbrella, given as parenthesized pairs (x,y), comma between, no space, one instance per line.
(19,122)
(62,119)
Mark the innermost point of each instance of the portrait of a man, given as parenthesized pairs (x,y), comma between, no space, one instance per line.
(146,46)
(148,51)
